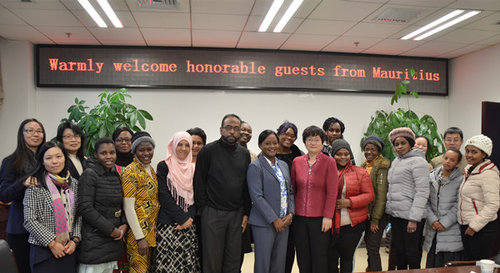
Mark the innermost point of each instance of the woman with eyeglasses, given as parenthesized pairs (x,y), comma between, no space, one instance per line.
(73,140)
(315,182)
(30,136)
(122,137)
(288,151)
(50,213)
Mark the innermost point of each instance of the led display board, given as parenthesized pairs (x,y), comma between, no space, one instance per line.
(216,68)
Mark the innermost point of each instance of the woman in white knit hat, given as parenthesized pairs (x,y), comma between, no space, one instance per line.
(479,200)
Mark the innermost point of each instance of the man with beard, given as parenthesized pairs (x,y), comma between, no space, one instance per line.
(221,194)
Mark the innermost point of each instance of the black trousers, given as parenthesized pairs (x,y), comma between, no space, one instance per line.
(408,245)
(311,244)
(221,237)
(480,245)
(372,241)
(21,248)
(342,248)
(290,251)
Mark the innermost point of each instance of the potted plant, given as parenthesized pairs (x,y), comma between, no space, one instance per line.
(383,122)
(111,112)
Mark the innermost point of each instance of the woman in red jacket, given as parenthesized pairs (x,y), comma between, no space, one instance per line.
(355,192)
(314,181)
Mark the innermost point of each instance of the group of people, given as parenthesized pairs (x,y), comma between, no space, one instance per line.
(205,203)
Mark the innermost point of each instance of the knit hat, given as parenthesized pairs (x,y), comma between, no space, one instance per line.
(339,144)
(401,132)
(481,142)
(375,141)
(139,137)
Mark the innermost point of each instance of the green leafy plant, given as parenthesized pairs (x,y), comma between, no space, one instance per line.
(383,122)
(111,112)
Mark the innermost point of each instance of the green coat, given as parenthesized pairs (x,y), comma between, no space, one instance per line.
(378,175)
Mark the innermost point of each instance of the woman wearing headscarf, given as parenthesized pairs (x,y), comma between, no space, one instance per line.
(177,244)
(443,242)
(50,213)
(30,136)
(355,192)
(140,202)
(377,167)
(479,200)
(122,137)
(73,140)
(407,196)
(100,199)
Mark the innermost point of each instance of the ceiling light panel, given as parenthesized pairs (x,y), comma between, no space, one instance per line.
(93,13)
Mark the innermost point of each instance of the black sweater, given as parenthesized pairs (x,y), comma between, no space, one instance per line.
(220,177)
(170,213)
(100,203)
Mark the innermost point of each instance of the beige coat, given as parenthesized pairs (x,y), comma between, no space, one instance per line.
(479,196)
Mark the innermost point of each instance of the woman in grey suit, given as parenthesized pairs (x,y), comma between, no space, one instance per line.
(273,205)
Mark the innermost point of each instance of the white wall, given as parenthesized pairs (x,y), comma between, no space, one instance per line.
(473,78)
(175,110)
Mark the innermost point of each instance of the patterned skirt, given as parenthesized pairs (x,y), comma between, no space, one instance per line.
(176,250)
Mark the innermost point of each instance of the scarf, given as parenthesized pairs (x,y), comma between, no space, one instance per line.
(124,160)
(180,172)
(336,229)
(63,201)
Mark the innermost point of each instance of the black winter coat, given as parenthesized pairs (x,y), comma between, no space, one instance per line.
(100,200)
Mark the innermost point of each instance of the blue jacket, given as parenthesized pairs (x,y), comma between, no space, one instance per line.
(12,190)
(265,191)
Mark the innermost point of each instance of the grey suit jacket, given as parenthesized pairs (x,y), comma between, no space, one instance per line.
(264,189)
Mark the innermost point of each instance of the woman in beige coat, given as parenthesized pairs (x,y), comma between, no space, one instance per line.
(479,200)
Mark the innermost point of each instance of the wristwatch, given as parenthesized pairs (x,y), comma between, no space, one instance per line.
(77,242)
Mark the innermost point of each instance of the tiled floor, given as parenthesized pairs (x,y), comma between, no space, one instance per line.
(360,261)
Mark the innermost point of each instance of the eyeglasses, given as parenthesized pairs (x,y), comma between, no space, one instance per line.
(32,132)
(120,140)
(452,140)
(289,135)
(71,137)
(313,140)
(229,128)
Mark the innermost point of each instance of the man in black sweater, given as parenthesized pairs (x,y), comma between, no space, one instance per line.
(221,194)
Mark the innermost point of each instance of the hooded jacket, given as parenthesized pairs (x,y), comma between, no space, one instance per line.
(408,186)
(442,206)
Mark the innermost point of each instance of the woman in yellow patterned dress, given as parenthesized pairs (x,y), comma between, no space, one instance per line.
(140,192)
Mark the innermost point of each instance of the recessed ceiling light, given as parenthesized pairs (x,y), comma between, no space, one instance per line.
(288,15)
(447,25)
(270,15)
(93,13)
(433,24)
(110,13)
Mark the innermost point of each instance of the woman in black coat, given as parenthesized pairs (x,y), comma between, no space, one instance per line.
(101,201)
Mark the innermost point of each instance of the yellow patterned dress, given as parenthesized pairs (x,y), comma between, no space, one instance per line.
(138,184)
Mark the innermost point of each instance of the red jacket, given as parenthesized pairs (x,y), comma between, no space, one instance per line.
(359,191)
(316,189)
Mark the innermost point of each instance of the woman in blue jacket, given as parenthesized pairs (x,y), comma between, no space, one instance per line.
(273,206)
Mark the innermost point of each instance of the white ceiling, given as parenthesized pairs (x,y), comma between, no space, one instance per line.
(318,25)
